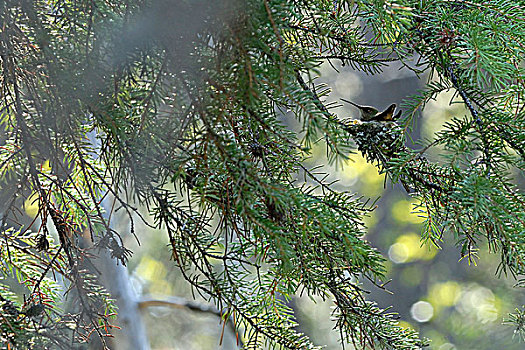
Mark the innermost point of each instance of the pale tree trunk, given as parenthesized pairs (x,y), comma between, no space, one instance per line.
(115,278)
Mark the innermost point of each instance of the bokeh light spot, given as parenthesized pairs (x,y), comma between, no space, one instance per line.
(445,294)
(151,269)
(31,205)
(398,253)
(348,84)
(479,302)
(408,211)
(408,247)
(422,311)
(405,325)
(358,168)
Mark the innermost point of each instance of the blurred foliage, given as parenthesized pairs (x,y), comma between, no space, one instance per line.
(469,302)
(110,99)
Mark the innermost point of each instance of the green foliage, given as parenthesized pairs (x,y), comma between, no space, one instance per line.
(518,320)
(189,121)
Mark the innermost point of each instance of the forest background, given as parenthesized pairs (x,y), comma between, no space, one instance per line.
(206,126)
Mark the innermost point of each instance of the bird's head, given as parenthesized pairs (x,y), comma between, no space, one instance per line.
(367,112)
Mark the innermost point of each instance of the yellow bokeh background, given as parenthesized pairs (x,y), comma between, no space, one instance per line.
(357,168)
(408,211)
(408,248)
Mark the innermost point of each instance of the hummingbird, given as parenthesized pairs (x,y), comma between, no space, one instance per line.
(372,114)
